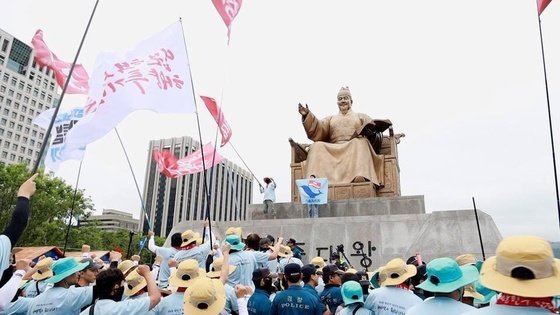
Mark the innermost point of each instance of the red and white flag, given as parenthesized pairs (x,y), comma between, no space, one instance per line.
(218,115)
(190,164)
(228,10)
(46,58)
(542,4)
(154,76)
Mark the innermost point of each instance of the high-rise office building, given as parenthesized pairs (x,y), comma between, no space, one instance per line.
(169,201)
(26,90)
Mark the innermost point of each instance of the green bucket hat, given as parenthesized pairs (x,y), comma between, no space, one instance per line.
(235,242)
(64,268)
(445,276)
(352,292)
(488,294)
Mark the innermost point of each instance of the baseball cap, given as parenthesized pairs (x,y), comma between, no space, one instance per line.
(292,269)
(330,270)
(308,270)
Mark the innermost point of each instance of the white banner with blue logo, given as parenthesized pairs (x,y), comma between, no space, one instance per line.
(313,190)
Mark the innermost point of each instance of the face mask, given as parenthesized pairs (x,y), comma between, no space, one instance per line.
(118,294)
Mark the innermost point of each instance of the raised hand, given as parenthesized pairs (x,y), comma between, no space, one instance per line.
(303,110)
(27,189)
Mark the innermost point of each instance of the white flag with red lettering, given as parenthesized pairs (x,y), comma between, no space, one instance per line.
(218,115)
(190,164)
(155,76)
(228,10)
(46,58)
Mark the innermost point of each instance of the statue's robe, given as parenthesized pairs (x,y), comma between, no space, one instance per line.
(338,153)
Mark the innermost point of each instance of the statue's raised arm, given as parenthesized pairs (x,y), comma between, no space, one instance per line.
(344,148)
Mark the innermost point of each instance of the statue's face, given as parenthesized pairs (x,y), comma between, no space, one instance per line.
(344,102)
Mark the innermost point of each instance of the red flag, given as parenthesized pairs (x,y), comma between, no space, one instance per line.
(219,118)
(190,164)
(46,58)
(542,4)
(228,10)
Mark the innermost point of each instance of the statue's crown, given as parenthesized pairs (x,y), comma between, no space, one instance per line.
(345,90)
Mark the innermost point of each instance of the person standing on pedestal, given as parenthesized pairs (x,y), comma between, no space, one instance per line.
(269,195)
(313,208)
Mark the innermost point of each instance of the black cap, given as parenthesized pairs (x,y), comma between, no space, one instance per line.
(291,240)
(292,269)
(308,270)
(330,270)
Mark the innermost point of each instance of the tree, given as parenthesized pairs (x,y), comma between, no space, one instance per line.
(50,205)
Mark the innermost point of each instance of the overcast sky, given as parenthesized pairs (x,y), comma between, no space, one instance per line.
(462,79)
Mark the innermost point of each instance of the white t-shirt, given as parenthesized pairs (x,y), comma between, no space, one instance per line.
(439,305)
(61,301)
(495,309)
(391,301)
(171,304)
(5,251)
(288,260)
(198,253)
(20,306)
(128,307)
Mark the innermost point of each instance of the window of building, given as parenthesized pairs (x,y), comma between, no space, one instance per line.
(14,82)
(31,112)
(29,121)
(51,86)
(2,60)
(24,109)
(10,92)
(3,121)
(5,45)
(26,99)
(43,95)
(33,133)
(9,134)
(32,142)
(49,99)
(1,131)
(33,102)
(29,152)
(20,159)
(2,88)
(16,105)
(6,144)
(16,137)
(12,157)
(21,118)
(35,92)
(28,88)
(14,115)
(4,154)
(18,96)
(24,139)
(8,102)
(14,146)
(19,127)
(22,149)
(21,85)
(11,124)
(6,111)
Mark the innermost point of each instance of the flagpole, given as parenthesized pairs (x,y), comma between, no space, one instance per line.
(478,228)
(72,209)
(233,147)
(549,120)
(135,181)
(49,129)
(208,216)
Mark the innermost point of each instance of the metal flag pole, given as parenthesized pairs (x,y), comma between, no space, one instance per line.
(549,120)
(72,209)
(135,181)
(478,228)
(205,189)
(49,129)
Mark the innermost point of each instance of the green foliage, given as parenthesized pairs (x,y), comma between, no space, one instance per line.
(50,211)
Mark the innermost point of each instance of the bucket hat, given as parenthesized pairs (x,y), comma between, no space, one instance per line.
(318,262)
(234,231)
(235,242)
(204,297)
(44,269)
(445,275)
(285,251)
(468,259)
(523,266)
(187,271)
(352,293)
(396,272)
(64,268)
(126,266)
(189,237)
(217,268)
(134,283)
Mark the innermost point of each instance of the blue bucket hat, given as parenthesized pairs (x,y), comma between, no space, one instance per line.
(488,294)
(235,242)
(352,292)
(445,276)
(64,268)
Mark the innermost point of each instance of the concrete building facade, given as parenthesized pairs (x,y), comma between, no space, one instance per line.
(26,90)
(113,220)
(169,201)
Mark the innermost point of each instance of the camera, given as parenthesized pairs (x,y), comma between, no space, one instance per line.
(340,248)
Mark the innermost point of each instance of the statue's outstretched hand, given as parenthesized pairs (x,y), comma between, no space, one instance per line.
(303,110)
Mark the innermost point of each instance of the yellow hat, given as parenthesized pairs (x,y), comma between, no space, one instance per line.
(205,297)
(285,251)
(471,292)
(44,269)
(318,262)
(396,272)
(523,266)
(134,283)
(466,259)
(234,231)
(351,270)
(217,268)
(186,273)
(126,266)
(189,237)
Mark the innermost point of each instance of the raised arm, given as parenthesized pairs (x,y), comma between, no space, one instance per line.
(153,291)
(224,274)
(21,214)
(276,249)
(152,243)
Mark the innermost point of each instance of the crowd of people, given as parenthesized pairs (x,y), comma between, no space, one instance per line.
(250,274)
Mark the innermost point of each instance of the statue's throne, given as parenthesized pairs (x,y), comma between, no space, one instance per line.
(391,186)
